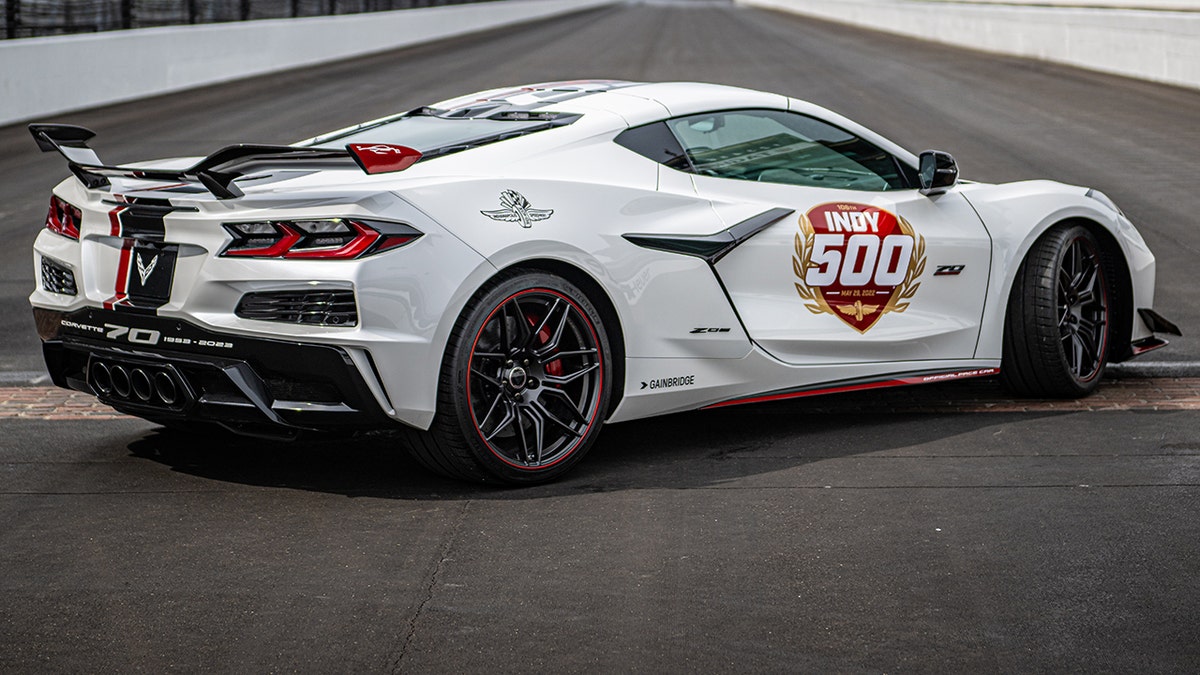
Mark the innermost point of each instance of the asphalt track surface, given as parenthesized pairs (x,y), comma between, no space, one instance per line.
(839,534)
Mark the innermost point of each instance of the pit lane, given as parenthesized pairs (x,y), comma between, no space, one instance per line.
(895,530)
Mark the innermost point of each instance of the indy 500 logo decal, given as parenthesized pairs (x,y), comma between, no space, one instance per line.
(857,262)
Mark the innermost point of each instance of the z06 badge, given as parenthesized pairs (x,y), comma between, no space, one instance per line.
(857,262)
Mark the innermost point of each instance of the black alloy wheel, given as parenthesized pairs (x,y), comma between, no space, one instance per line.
(1056,333)
(525,385)
(535,379)
(1082,309)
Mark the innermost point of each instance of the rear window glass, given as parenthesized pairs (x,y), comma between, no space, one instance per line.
(429,133)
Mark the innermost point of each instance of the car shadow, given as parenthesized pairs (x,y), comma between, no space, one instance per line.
(686,450)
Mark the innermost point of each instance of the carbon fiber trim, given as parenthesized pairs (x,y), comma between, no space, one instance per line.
(710,247)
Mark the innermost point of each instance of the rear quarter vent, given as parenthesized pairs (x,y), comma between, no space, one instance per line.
(336,308)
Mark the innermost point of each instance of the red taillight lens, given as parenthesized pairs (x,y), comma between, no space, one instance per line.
(63,218)
(260,240)
(328,239)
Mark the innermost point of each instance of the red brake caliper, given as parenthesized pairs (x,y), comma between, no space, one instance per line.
(555,367)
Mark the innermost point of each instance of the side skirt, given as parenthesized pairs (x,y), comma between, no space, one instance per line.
(859,385)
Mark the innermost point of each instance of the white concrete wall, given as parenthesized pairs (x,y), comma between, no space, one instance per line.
(1162,46)
(48,75)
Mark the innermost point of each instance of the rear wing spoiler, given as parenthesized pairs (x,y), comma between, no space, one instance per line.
(218,171)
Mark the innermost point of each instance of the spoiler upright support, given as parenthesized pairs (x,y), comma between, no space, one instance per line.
(71,142)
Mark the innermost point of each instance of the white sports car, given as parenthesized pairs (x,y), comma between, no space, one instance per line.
(502,273)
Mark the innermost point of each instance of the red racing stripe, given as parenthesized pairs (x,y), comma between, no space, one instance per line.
(121,287)
(114,220)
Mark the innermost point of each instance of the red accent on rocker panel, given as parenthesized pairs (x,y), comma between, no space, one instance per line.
(121,287)
(881,384)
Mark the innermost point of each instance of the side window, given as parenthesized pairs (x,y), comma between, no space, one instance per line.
(773,146)
(656,142)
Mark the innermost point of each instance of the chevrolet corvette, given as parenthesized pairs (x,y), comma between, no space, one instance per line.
(498,275)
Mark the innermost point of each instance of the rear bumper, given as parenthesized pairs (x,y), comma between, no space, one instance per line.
(170,370)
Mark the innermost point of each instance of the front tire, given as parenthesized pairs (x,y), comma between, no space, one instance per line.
(1056,332)
(524,385)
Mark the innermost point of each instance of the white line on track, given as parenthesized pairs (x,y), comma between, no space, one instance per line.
(24,377)
(1137,368)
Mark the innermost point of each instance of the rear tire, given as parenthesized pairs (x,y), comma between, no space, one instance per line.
(524,384)
(1056,331)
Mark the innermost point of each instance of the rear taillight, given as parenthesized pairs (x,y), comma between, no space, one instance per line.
(63,218)
(326,239)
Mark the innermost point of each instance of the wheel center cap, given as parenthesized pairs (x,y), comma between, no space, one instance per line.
(516,377)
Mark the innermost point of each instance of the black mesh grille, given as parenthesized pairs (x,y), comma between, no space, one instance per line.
(321,308)
(56,278)
(298,390)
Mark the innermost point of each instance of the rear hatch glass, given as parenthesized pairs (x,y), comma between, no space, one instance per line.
(437,133)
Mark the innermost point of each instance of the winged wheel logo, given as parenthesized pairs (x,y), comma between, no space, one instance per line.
(858,310)
(517,209)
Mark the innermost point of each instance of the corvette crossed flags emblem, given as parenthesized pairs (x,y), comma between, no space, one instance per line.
(144,270)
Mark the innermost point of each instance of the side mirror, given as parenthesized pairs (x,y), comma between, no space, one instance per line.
(939,172)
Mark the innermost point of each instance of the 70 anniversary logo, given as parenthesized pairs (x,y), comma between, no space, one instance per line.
(141,336)
(856,262)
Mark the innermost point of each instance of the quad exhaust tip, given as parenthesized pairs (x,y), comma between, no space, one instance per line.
(145,386)
(165,389)
(120,381)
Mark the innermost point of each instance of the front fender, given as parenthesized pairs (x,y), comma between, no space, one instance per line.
(1017,214)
